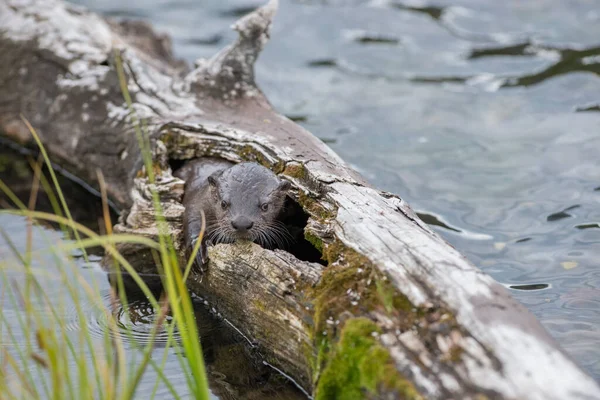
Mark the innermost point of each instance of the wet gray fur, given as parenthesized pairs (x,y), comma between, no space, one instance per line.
(240,202)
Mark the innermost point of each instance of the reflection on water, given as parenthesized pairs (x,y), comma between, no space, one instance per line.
(471,115)
(561,214)
(533,286)
(433,220)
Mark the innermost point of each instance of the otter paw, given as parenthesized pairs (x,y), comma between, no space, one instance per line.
(202,256)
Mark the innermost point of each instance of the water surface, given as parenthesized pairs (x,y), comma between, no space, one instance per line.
(482,114)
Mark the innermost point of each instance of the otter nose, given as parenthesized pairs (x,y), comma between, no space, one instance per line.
(242,224)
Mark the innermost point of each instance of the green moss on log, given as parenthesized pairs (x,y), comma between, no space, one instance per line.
(353,289)
(181,146)
(297,171)
(350,286)
(359,366)
(392,300)
(351,283)
(315,240)
(455,354)
(315,209)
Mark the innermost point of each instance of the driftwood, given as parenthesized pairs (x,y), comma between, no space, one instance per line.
(391,310)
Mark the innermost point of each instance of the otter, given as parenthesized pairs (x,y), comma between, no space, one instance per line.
(240,202)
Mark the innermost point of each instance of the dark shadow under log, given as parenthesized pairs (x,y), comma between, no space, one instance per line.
(396,312)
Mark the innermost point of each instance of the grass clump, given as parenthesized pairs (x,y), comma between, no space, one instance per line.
(42,357)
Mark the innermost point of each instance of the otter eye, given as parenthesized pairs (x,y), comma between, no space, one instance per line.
(224,204)
(264,206)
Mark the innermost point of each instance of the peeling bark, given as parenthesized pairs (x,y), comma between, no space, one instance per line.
(395,304)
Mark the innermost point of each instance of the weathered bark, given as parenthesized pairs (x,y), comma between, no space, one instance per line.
(395,305)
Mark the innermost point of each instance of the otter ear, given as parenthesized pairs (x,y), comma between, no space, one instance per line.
(213,179)
(284,186)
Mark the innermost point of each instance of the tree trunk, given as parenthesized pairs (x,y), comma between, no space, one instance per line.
(391,310)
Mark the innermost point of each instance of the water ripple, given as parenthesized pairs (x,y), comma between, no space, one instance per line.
(134,325)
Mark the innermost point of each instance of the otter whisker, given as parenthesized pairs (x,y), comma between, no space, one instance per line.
(215,234)
(257,237)
(264,238)
(273,238)
(277,238)
(278,230)
(222,234)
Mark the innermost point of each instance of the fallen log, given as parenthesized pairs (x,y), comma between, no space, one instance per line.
(387,309)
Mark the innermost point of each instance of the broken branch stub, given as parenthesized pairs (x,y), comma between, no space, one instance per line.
(230,73)
(391,310)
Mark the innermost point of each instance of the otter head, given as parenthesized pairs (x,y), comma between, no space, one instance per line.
(248,199)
